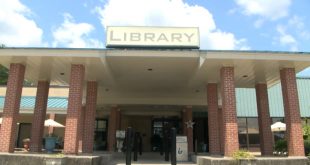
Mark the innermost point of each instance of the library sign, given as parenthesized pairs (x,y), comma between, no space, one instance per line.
(152,37)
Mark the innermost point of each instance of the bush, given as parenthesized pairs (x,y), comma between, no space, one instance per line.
(307,146)
(281,146)
(306,132)
(242,154)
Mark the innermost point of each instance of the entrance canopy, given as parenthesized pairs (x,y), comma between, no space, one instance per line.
(153,76)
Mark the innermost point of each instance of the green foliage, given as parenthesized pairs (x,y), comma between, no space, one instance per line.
(306,131)
(3,75)
(307,146)
(281,146)
(2,46)
(242,154)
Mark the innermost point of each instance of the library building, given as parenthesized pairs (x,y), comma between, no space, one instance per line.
(152,79)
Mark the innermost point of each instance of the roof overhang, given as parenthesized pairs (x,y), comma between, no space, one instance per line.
(153,76)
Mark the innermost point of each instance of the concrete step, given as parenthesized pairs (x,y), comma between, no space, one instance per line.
(150,158)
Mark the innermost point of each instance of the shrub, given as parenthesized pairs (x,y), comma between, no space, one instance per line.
(281,146)
(307,146)
(306,132)
(242,154)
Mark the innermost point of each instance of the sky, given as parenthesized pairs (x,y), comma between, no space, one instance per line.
(272,25)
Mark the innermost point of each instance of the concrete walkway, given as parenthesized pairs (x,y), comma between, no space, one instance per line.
(150,158)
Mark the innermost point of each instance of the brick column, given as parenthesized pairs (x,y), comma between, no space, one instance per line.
(264,119)
(184,120)
(189,130)
(11,107)
(214,138)
(51,129)
(37,127)
(81,128)
(89,121)
(118,119)
(294,133)
(112,129)
(220,122)
(74,109)
(230,125)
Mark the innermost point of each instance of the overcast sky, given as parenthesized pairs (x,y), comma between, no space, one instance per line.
(275,25)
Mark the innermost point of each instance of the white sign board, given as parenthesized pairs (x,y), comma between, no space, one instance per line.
(181,139)
(154,37)
(181,149)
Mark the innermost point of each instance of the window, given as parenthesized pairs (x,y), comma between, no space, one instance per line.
(248,132)
(100,138)
(242,129)
(253,132)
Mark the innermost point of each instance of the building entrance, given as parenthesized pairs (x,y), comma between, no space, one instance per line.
(158,127)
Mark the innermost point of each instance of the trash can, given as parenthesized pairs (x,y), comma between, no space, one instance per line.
(181,146)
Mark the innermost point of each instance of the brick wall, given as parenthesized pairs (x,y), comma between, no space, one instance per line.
(11,107)
(230,126)
(189,130)
(214,138)
(37,127)
(294,132)
(51,129)
(112,129)
(74,109)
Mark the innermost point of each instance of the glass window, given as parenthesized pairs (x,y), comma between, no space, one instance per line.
(242,132)
(253,131)
(100,137)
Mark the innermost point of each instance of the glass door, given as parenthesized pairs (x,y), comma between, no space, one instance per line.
(100,138)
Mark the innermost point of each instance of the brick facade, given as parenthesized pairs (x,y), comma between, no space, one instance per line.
(11,107)
(118,119)
(89,118)
(52,116)
(294,132)
(74,109)
(189,130)
(230,125)
(213,124)
(37,126)
(112,129)
(264,119)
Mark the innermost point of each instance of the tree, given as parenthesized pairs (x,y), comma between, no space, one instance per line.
(4,72)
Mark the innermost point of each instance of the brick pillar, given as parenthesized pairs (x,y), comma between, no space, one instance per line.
(294,133)
(81,128)
(11,107)
(118,119)
(37,127)
(230,125)
(189,130)
(214,138)
(89,121)
(184,120)
(112,129)
(220,121)
(51,129)
(74,109)
(264,119)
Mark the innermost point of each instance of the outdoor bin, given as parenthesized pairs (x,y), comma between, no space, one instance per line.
(50,143)
(181,147)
